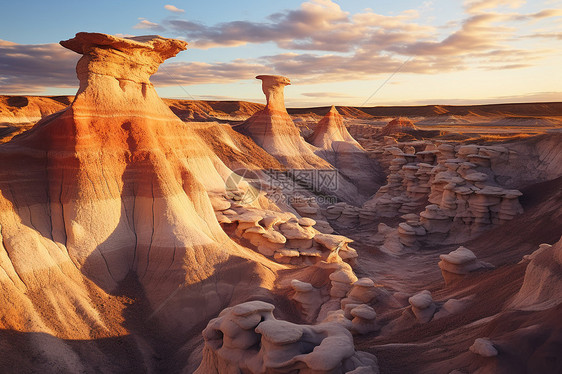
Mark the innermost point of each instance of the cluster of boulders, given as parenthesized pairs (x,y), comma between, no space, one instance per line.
(248,337)
(309,207)
(347,300)
(282,235)
(448,187)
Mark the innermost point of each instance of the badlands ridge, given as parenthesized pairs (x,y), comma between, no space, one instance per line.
(169,236)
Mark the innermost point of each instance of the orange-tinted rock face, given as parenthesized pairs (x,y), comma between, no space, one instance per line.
(115,185)
(331,129)
(273,87)
(273,129)
(398,125)
(334,144)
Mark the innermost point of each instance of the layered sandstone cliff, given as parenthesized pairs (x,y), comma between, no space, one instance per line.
(111,189)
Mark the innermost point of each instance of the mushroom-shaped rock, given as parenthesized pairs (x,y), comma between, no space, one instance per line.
(364,319)
(342,281)
(331,242)
(306,222)
(286,256)
(484,347)
(363,291)
(271,219)
(252,307)
(246,220)
(323,348)
(308,298)
(338,316)
(279,332)
(422,306)
(452,306)
(461,261)
(144,53)
(292,230)
(273,87)
(266,240)
(434,219)
(273,129)
(476,177)
(237,332)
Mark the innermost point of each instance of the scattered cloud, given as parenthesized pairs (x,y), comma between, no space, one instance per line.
(173,8)
(546,13)
(477,6)
(323,27)
(146,24)
(190,73)
(317,25)
(336,95)
(547,35)
(32,68)
(320,42)
(120,35)
(536,97)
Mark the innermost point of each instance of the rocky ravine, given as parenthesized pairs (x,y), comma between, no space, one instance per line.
(131,241)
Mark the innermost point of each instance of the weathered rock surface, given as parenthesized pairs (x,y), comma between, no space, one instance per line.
(331,130)
(286,238)
(248,338)
(398,125)
(461,261)
(308,298)
(335,145)
(273,129)
(483,347)
(113,188)
(423,306)
(542,284)
(455,184)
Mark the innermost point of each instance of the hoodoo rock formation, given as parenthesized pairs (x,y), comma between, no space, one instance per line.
(446,191)
(335,145)
(113,189)
(249,338)
(273,129)
(331,130)
(135,241)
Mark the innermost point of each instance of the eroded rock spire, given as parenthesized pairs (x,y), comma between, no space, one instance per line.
(273,87)
(132,59)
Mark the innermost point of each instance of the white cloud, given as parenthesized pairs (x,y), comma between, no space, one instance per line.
(146,24)
(477,6)
(338,46)
(173,8)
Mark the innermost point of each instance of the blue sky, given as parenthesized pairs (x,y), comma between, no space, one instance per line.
(335,52)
